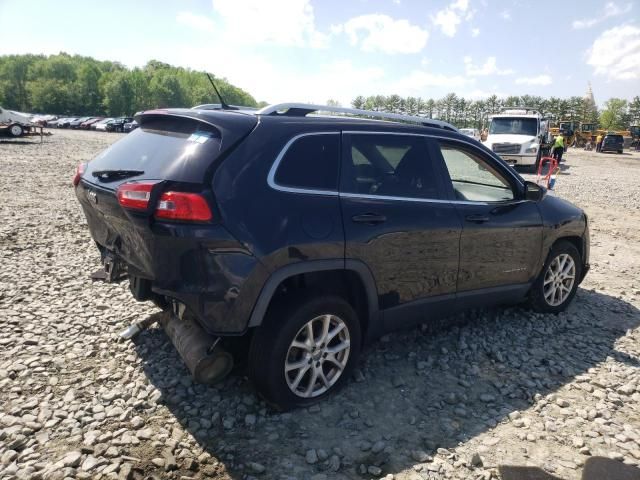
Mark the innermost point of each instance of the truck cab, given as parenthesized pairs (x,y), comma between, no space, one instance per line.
(517,135)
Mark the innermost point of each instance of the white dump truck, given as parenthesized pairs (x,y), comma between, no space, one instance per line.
(15,124)
(518,135)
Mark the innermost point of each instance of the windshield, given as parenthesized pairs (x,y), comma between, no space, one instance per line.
(514,126)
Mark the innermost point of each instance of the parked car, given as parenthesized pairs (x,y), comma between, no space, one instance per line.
(612,143)
(66,122)
(118,124)
(78,121)
(102,124)
(87,125)
(15,124)
(128,127)
(307,235)
(43,120)
(471,132)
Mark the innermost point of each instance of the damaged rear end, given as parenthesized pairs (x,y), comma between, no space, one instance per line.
(151,210)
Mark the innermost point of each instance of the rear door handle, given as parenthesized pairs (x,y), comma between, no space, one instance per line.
(369,218)
(477,218)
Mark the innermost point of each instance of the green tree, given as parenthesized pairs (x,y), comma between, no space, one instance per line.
(89,99)
(358,102)
(634,110)
(14,72)
(77,85)
(165,90)
(613,115)
(118,94)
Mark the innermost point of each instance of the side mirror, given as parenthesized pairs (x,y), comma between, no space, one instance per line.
(534,192)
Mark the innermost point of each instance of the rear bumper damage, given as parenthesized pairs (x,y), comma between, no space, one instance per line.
(201,266)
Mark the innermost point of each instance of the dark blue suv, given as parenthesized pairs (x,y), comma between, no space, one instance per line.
(307,235)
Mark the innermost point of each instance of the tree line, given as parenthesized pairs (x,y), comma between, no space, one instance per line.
(75,85)
(464,113)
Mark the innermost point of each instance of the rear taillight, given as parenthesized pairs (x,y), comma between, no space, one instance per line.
(189,207)
(135,195)
(79,172)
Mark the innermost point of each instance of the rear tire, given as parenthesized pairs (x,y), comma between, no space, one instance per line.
(557,283)
(304,351)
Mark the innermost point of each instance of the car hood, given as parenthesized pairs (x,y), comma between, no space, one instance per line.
(12,116)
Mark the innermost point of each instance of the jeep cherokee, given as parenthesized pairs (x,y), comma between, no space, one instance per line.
(308,235)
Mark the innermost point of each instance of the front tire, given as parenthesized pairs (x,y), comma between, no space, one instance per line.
(16,130)
(304,351)
(557,283)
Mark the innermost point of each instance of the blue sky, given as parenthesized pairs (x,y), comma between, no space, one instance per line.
(312,50)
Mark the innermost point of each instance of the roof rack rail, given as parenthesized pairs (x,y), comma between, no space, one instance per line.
(303,109)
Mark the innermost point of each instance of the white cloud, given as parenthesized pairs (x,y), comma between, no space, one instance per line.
(506,15)
(616,53)
(475,32)
(488,68)
(611,9)
(585,23)
(381,33)
(537,80)
(451,16)
(279,22)
(418,80)
(199,22)
(275,82)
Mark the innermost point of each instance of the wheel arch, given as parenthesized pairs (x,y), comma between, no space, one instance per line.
(575,240)
(351,279)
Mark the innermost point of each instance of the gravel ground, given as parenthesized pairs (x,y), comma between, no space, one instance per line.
(460,400)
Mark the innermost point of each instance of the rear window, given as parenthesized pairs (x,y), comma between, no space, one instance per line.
(614,137)
(311,162)
(166,148)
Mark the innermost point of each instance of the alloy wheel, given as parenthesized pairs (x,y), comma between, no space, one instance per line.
(559,279)
(317,356)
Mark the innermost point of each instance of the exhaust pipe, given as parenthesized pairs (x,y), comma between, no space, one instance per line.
(205,359)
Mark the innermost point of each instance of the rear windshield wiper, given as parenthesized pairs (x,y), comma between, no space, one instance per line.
(111,175)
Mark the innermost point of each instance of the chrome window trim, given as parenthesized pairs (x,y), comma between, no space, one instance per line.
(427,200)
(331,193)
(274,168)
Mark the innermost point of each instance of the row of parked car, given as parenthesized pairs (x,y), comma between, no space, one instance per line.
(119,124)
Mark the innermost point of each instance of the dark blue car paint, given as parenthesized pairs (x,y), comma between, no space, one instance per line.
(425,254)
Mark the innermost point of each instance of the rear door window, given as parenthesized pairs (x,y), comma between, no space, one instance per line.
(389,165)
(311,162)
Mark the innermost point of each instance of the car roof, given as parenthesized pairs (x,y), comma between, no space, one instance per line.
(320,121)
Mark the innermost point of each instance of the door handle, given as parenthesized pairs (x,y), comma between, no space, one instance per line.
(369,218)
(477,218)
